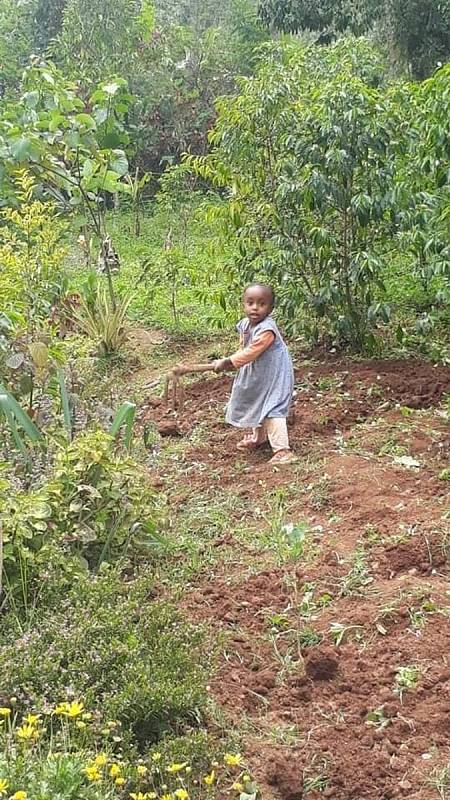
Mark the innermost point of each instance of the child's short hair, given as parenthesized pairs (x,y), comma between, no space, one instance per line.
(266,287)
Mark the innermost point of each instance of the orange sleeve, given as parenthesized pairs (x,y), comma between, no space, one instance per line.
(248,354)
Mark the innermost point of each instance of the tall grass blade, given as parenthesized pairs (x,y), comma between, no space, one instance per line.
(21,416)
(5,408)
(65,403)
(124,416)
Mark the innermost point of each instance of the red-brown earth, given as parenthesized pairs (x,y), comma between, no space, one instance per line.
(314,639)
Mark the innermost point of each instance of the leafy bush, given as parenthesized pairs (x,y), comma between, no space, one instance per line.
(95,504)
(326,178)
(31,255)
(107,643)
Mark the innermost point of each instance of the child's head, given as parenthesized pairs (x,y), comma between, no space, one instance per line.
(259,300)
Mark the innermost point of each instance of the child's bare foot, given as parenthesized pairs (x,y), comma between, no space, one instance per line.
(283,457)
(249,443)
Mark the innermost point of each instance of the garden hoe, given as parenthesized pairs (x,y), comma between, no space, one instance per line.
(173,387)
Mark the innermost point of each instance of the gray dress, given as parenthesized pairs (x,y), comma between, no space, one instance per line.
(263,388)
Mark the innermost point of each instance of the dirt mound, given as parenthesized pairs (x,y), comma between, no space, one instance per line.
(285,777)
(322,664)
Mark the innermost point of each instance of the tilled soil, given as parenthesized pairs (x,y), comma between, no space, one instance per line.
(320,649)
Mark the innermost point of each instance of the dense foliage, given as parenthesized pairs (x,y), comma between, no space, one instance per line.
(322,183)
(416,34)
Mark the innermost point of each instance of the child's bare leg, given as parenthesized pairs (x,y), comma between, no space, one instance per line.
(255,439)
(278,436)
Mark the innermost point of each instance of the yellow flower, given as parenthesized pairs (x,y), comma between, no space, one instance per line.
(151,796)
(141,770)
(92,773)
(87,715)
(166,797)
(115,770)
(74,709)
(31,719)
(27,732)
(238,787)
(209,779)
(70,710)
(61,709)
(100,760)
(231,760)
(3,786)
(177,767)
(19,796)
(138,796)
(5,712)
(181,794)
(246,778)
(156,757)
(81,725)
(120,781)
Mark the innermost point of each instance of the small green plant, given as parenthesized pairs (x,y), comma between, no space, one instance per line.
(316,784)
(440,781)
(371,534)
(290,540)
(309,607)
(406,680)
(339,632)
(315,777)
(358,577)
(308,637)
(320,495)
(377,718)
(279,621)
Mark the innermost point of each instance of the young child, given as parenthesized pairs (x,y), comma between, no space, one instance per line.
(262,390)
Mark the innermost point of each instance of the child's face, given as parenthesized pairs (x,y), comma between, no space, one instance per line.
(257,304)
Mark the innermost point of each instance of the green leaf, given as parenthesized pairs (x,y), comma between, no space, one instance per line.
(15,361)
(6,409)
(89,168)
(10,403)
(65,403)
(20,148)
(119,163)
(111,88)
(31,98)
(41,511)
(110,141)
(124,416)
(86,121)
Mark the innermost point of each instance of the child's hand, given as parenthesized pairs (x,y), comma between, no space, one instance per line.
(221,364)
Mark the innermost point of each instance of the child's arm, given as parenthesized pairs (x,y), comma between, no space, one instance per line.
(246,354)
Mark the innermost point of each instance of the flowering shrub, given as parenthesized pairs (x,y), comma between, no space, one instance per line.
(110,643)
(94,506)
(71,768)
